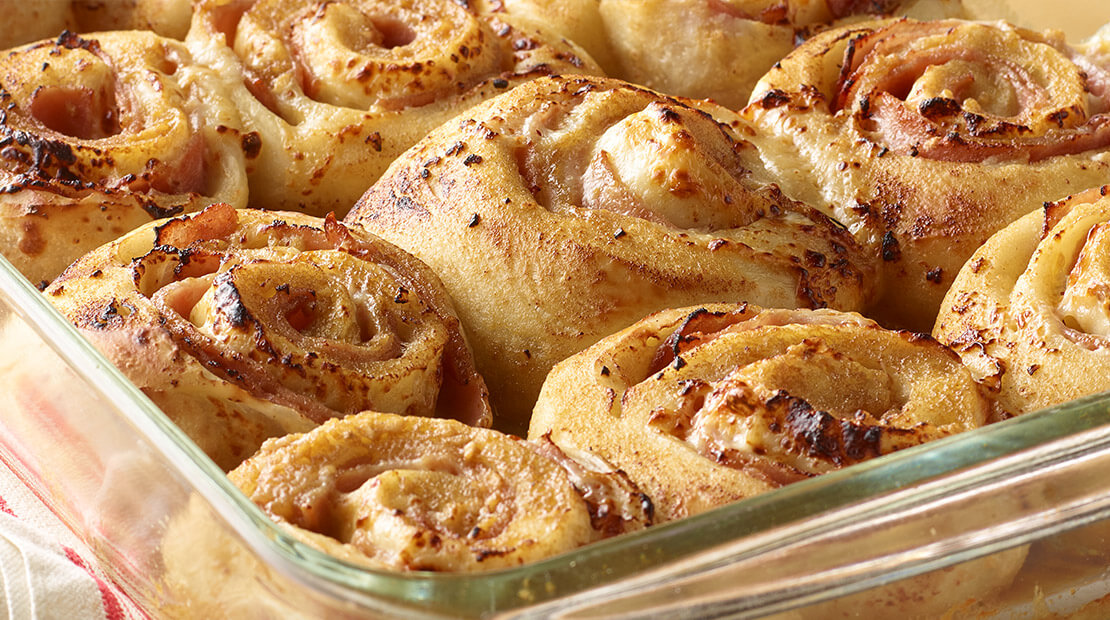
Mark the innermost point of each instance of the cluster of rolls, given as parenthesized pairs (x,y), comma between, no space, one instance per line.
(441,295)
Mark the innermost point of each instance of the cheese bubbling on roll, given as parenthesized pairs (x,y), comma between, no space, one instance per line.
(243,325)
(707,405)
(1030,311)
(334,91)
(410,493)
(925,138)
(104,133)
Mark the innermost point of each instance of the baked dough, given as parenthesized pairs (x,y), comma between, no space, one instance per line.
(570,207)
(243,325)
(1030,312)
(334,91)
(1030,315)
(925,138)
(576,20)
(703,406)
(101,134)
(707,405)
(410,493)
(169,18)
(26,21)
(714,49)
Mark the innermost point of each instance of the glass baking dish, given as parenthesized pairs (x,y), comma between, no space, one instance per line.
(173,531)
(180,539)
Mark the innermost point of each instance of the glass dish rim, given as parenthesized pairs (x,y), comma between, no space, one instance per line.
(575,572)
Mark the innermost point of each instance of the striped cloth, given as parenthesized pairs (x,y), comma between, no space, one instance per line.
(45,571)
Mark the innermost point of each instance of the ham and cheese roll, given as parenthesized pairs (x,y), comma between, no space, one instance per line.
(571,207)
(334,91)
(925,138)
(720,48)
(408,493)
(706,405)
(101,134)
(243,325)
(1030,315)
(1030,311)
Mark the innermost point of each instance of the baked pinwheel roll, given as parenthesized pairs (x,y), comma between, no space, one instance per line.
(571,207)
(706,405)
(925,138)
(332,92)
(410,493)
(243,325)
(720,48)
(103,134)
(1030,315)
(1030,311)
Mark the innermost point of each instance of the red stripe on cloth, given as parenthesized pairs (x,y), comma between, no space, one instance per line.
(4,507)
(113,610)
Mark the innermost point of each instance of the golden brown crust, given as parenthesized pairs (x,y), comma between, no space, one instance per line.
(244,325)
(426,494)
(571,207)
(1030,312)
(719,49)
(924,138)
(334,91)
(101,134)
(706,405)
(575,20)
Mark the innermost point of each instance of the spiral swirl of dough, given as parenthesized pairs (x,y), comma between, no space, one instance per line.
(571,207)
(334,91)
(102,134)
(410,493)
(927,137)
(244,325)
(702,406)
(1030,311)
(706,405)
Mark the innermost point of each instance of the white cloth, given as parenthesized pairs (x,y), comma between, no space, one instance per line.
(46,572)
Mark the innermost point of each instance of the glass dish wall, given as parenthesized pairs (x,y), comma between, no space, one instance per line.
(185,543)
